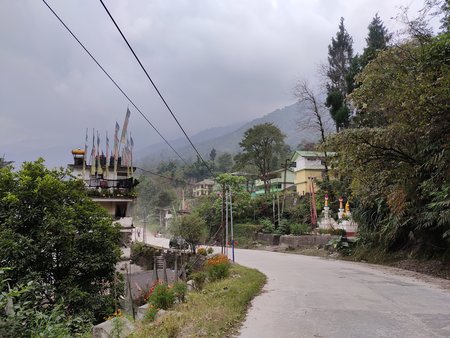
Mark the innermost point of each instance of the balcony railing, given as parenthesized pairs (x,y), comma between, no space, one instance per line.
(126,183)
(99,187)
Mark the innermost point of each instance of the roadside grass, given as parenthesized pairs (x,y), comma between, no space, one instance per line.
(216,311)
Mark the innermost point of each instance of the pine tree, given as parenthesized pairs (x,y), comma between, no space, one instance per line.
(377,39)
(340,56)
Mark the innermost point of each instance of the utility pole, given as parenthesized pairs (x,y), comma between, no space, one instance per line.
(226,223)
(232,230)
(284,184)
(223,219)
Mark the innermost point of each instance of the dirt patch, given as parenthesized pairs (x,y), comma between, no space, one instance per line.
(427,276)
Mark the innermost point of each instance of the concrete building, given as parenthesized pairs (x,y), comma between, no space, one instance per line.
(307,164)
(112,192)
(281,180)
(203,188)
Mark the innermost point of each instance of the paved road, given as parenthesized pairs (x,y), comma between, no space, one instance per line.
(314,297)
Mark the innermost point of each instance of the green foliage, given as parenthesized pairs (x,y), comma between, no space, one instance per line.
(300,213)
(218,267)
(398,160)
(180,291)
(218,271)
(117,326)
(27,317)
(150,314)
(340,56)
(209,250)
(162,297)
(284,227)
(224,163)
(190,227)
(202,251)
(267,226)
(262,145)
(198,170)
(209,208)
(199,279)
(299,228)
(51,231)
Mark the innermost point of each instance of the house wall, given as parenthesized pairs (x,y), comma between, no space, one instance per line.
(301,179)
(110,207)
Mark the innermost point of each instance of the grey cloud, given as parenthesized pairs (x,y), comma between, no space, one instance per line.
(216,62)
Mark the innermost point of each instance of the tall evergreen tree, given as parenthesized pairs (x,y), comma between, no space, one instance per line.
(377,39)
(340,55)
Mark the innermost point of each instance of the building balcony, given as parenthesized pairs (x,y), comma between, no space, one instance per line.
(99,187)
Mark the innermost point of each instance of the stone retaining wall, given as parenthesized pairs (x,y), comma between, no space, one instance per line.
(294,241)
(269,238)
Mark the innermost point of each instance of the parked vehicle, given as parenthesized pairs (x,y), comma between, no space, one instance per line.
(178,243)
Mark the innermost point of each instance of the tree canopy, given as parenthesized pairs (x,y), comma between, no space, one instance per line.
(340,56)
(262,147)
(398,159)
(51,231)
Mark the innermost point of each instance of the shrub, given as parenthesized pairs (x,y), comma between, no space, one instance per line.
(299,228)
(210,250)
(218,267)
(267,226)
(151,313)
(180,290)
(162,297)
(283,227)
(217,272)
(151,290)
(202,251)
(199,279)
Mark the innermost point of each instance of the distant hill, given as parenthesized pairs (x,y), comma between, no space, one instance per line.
(226,139)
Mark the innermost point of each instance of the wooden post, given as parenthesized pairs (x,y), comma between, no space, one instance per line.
(166,280)
(155,269)
(176,267)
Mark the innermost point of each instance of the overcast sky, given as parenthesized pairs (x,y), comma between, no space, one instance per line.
(217,62)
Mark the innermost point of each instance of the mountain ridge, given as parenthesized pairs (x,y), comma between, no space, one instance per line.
(227,138)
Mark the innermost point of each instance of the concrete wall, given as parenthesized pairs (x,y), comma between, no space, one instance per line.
(304,241)
(269,238)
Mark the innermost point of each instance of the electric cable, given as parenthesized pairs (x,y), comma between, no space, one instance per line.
(112,80)
(166,177)
(155,87)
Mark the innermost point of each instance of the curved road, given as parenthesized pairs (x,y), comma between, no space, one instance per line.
(315,297)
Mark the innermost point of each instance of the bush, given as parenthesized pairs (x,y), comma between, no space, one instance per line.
(202,251)
(299,228)
(180,291)
(217,272)
(218,267)
(151,313)
(162,297)
(267,226)
(210,250)
(199,279)
(283,227)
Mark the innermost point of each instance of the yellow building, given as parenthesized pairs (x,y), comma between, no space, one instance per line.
(307,164)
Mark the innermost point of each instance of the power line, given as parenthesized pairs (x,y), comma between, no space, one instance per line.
(156,88)
(112,80)
(166,177)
